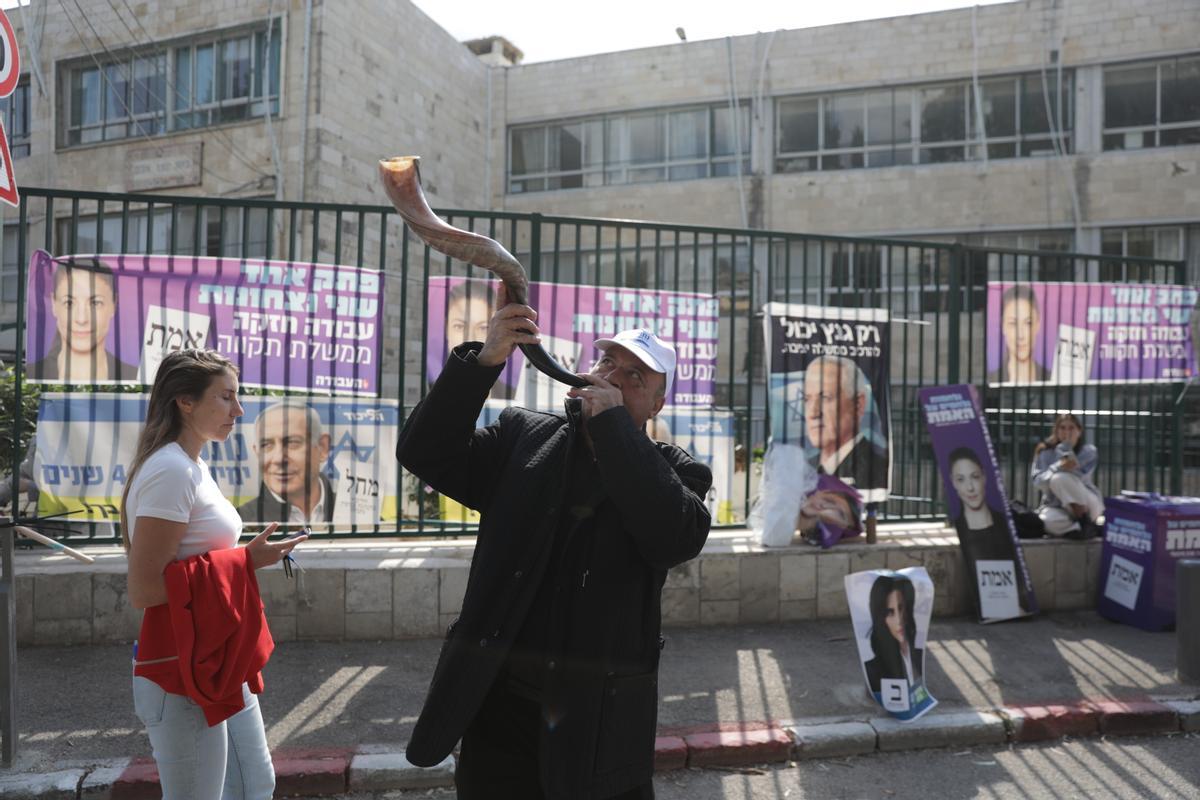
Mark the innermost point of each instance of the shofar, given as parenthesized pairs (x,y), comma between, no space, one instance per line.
(402,182)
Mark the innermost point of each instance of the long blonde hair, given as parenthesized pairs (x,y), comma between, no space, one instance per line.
(184,373)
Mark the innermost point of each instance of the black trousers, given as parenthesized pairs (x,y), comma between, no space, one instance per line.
(498,758)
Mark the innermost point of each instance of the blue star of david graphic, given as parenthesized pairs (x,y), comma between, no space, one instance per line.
(360,453)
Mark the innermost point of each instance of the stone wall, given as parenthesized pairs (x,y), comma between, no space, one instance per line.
(397,590)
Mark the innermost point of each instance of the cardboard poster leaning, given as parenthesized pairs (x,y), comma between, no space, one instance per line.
(890,613)
(977,503)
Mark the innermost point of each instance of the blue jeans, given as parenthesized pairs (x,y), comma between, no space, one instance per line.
(229,761)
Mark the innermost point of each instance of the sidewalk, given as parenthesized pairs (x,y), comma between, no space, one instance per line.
(337,714)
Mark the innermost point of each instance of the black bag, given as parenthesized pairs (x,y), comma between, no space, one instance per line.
(1029,525)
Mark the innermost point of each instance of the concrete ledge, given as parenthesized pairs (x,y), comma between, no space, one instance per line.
(392,770)
(1043,723)
(1188,712)
(940,730)
(833,740)
(397,589)
(49,786)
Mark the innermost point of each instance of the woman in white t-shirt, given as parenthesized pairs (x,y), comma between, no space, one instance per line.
(172,510)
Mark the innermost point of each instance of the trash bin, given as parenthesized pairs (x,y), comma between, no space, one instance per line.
(1144,535)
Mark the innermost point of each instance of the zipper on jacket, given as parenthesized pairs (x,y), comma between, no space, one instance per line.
(583,584)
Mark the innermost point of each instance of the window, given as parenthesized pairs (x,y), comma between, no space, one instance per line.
(15,111)
(926,124)
(194,85)
(1152,105)
(120,100)
(1163,243)
(223,81)
(217,234)
(636,147)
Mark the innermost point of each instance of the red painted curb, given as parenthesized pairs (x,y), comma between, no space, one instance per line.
(1043,723)
(310,776)
(731,748)
(138,781)
(1135,718)
(670,752)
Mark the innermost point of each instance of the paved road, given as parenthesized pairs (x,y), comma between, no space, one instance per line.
(1164,768)
(74,702)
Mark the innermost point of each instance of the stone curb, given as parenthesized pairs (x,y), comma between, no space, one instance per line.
(336,771)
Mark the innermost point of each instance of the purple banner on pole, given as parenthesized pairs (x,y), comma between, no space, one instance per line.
(110,319)
(571,318)
(1078,333)
(977,503)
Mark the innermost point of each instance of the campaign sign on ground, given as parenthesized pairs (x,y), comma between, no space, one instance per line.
(828,370)
(890,612)
(977,503)
(571,318)
(312,460)
(1078,333)
(100,319)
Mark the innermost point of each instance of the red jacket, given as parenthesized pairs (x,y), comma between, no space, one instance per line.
(210,636)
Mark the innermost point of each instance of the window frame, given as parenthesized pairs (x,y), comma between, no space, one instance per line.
(1158,127)
(614,138)
(20,143)
(165,116)
(914,150)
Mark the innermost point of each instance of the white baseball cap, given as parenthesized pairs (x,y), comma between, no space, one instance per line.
(650,350)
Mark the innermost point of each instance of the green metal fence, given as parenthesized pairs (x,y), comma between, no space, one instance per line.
(934,292)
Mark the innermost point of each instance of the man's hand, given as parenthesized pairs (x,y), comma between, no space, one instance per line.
(512,325)
(599,396)
(264,553)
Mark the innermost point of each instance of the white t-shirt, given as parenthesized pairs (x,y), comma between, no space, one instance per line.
(171,486)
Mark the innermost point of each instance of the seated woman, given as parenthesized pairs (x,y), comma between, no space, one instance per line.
(1063,467)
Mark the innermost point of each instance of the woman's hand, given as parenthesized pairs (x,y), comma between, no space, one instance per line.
(1069,463)
(264,553)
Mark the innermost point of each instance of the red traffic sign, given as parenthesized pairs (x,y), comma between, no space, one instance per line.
(10,60)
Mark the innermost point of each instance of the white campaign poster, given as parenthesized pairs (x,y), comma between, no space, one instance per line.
(1123,582)
(997,588)
(890,612)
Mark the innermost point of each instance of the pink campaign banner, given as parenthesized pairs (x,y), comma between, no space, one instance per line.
(571,318)
(1062,334)
(110,320)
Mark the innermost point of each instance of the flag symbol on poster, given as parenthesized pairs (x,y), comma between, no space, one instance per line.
(10,71)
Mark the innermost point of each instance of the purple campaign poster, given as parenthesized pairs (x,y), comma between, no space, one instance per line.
(110,319)
(1080,333)
(571,318)
(977,503)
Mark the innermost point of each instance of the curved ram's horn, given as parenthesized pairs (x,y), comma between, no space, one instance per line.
(402,182)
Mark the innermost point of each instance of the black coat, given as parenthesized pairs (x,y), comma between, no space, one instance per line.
(601,679)
(865,467)
(877,671)
(265,508)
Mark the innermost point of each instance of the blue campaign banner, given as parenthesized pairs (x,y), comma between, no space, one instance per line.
(890,611)
(318,461)
(977,503)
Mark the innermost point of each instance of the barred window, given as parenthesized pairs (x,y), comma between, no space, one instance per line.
(170,88)
(635,147)
(1022,115)
(1154,104)
(15,111)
